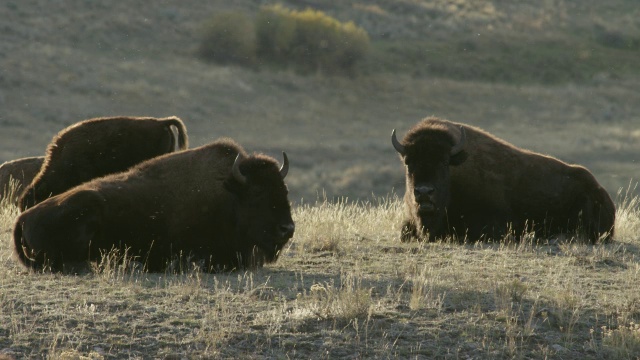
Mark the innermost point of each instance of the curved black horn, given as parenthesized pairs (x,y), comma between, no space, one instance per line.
(235,170)
(284,169)
(460,145)
(396,144)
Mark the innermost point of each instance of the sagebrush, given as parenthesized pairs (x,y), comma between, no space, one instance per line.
(229,38)
(310,39)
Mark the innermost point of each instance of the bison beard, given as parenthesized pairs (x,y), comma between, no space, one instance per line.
(466,183)
(214,205)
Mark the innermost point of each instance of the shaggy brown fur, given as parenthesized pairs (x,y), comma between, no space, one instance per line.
(21,171)
(98,147)
(187,204)
(492,188)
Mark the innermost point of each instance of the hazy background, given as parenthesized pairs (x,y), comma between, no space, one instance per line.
(559,77)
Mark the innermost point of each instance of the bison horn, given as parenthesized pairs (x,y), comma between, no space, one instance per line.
(235,170)
(396,144)
(460,145)
(284,169)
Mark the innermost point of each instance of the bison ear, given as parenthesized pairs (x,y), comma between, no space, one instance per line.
(458,158)
(234,186)
(236,182)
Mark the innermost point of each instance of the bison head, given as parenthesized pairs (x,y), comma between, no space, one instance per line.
(59,230)
(263,213)
(427,154)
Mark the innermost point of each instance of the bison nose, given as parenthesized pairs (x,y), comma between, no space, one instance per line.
(423,190)
(287,230)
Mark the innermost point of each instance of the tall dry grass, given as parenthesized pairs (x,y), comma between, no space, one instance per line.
(345,286)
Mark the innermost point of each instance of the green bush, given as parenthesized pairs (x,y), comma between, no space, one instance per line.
(309,39)
(614,38)
(229,37)
(274,34)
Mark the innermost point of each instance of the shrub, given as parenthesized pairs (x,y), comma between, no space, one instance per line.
(274,34)
(309,39)
(614,38)
(229,37)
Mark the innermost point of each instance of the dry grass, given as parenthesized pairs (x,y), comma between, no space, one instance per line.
(350,289)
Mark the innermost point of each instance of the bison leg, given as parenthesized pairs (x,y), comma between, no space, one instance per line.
(409,231)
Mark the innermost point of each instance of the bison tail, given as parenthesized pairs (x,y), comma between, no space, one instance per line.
(183,139)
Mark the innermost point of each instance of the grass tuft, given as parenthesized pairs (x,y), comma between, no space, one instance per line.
(425,291)
(627,227)
(623,342)
(344,303)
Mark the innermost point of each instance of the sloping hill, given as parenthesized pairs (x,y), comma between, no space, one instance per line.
(492,64)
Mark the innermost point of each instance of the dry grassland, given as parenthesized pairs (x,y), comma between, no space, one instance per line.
(345,287)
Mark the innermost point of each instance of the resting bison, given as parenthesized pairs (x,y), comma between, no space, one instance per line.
(22,171)
(98,147)
(213,205)
(465,182)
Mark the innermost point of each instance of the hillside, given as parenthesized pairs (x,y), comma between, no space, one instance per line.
(483,63)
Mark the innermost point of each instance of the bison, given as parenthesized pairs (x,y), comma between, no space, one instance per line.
(97,147)
(17,174)
(213,205)
(464,182)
